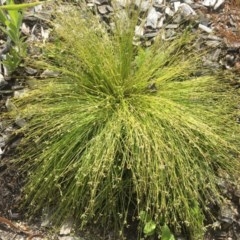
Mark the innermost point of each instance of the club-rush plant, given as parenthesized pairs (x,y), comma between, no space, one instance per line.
(125,130)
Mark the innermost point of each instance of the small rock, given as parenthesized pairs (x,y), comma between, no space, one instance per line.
(30,71)
(151,34)
(103,9)
(213,43)
(38,8)
(209,3)
(169,12)
(20,122)
(172,26)
(186,9)
(9,105)
(45,223)
(227,214)
(139,31)
(176,5)
(143,5)
(49,73)
(66,228)
(218,4)
(205,28)
(152,18)
(160,22)
(19,93)
(109,8)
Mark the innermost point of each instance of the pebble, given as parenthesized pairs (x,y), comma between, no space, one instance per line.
(205,28)
(31,71)
(103,9)
(139,31)
(66,228)
(20,122)
(19,93)
(218,4)
(169,12)
(49,73)
(186,9)
(152,18)
(9,105)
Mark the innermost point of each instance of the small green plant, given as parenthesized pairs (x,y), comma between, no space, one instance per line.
(151,228)
(124,130)
(11,16)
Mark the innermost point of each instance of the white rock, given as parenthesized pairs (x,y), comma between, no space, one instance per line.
(218,4)
(169,12)
(160,22)
(66,228)
(38,8)
(9,105)
(90,5)
(176,5)
(209,3)
(213,43)
(205,28)
(186,9)
(49,73)
(45,223)
(103,9)
(144,5)
(21,122)
(172,25)
(139,31)
(19,93)
(152,18)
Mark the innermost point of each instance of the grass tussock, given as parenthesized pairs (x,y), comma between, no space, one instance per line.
(124,129)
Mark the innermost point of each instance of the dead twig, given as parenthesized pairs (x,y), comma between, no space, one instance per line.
(18,229)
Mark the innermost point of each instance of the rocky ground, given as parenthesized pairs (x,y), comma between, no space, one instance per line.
(218,24)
